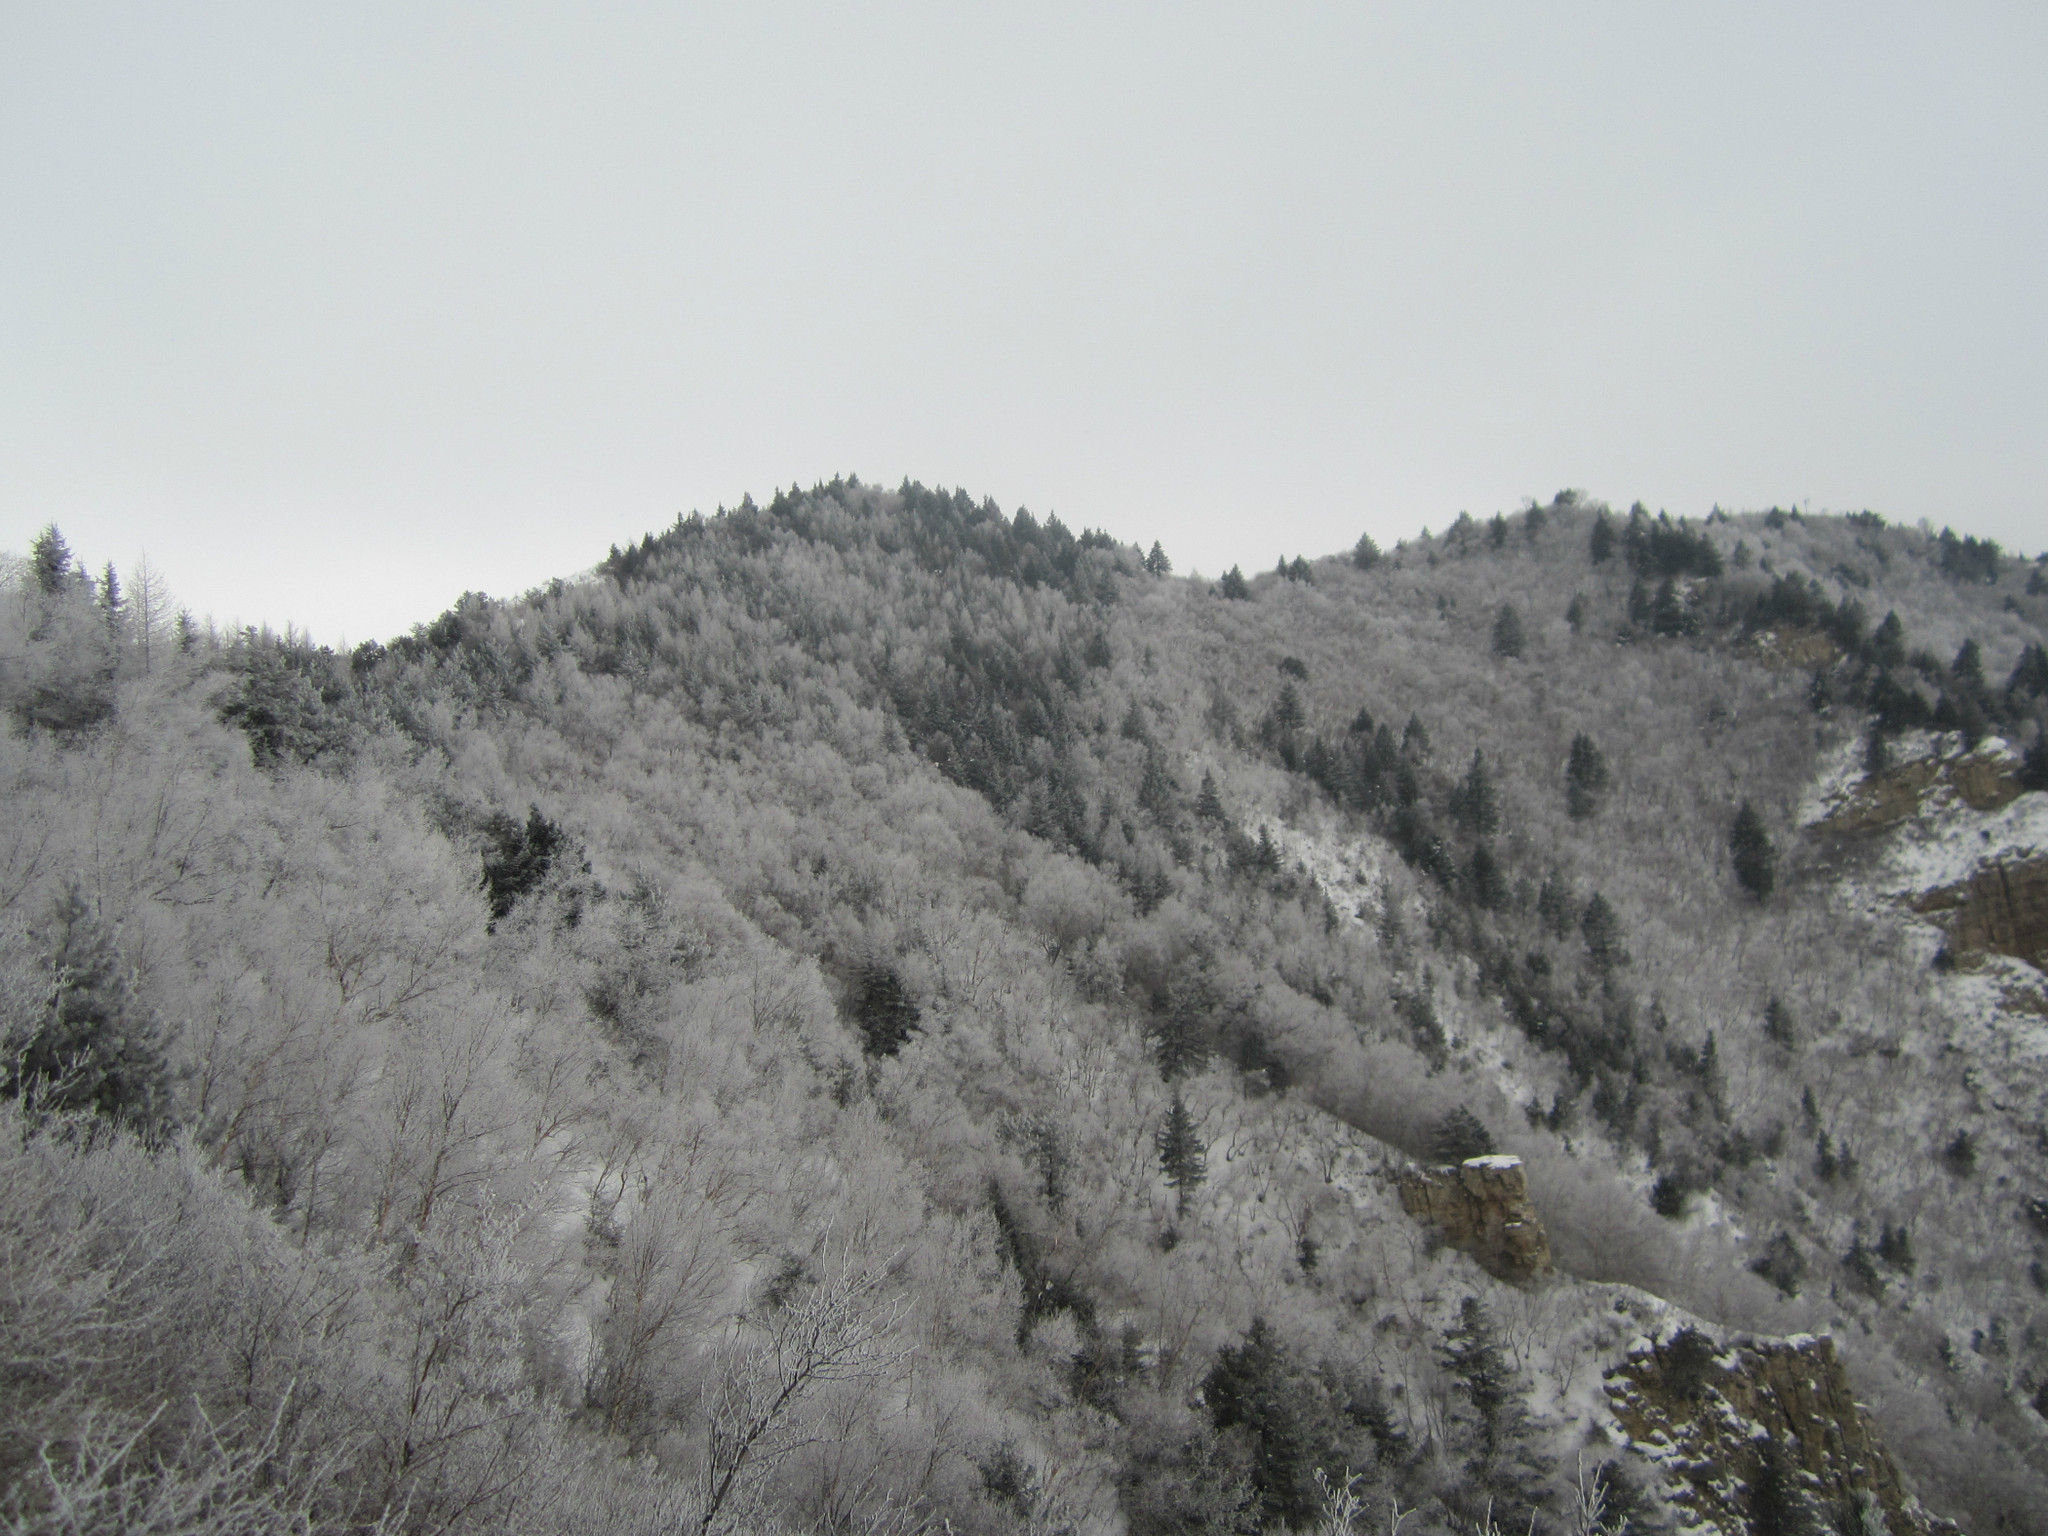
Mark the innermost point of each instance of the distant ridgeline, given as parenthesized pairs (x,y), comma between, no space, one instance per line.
(874,1012)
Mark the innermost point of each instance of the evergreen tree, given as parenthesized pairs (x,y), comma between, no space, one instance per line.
(93,1047)
(1180,1031)
(1602,542)
(1234,586)
(1497,530)
(1780,1028)
(113,606)
(1288,714)
(1489,886)
(1156,562)
(1967,670)
(1888,642)
(1458,1135)
(1575,613)
(1182,1153)
(1474,805)
(517,858)
(1294,1421)
(1415,740)
(1501,1461)
(1602,930)
(1157,789)
(1209,802)
(882,1010)
(1365,554)
(1778,1505)
(1669,615)
(1554,905)
(1751,852)
(1508,639)
(50,559)
(1585,777)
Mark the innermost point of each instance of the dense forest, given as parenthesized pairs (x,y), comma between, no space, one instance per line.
(874,1014)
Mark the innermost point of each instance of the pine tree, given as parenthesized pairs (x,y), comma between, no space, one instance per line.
(1415,740)
(1474,805)
(883,1011)
(1365,554)
(1508,639)
(50,558)
(1156,562)
(1780,1028)
(1778,1506)
(1182,1153)
(1502,1462)
(1180,1031)
(1458,1135)
(1209,802)
(94,1047)
(1234,586)
(1602,930)
(1751,853)
(1575,613)
(1602,542)
(1585,777)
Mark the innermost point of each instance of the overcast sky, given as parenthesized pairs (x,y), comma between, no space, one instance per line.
(340,310)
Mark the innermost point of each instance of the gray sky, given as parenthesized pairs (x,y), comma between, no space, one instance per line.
(339,310)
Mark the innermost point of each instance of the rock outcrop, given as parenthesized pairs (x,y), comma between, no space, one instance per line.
(1706,1413)
(1482,1207)
(2002,909)
(1984,780)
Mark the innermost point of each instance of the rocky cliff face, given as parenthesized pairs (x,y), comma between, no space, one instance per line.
(1707,1414)
(1482,1207)
(1984,780)
(2001,909)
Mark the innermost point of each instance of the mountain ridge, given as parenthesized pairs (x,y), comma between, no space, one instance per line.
(967,847)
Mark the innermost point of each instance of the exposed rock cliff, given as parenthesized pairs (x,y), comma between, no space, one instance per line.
(2001,909)
(1984,780)
(1482,1207)
(1709,1414)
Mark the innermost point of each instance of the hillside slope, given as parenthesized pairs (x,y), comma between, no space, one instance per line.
(872,1012)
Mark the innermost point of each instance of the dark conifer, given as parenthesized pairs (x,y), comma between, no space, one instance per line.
(882,1010)
(50,558)
(1234,586)
(1602,542)
(1365,554)
(1602,930)
(1474,805)
(1508,638)
(1182,1153)
(1459,1134)
(1585,777)
(92,1047)
(1157,563)
(1752,854)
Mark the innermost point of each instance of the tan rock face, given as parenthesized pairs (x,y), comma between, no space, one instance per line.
(1482,1207)
(2002,909)
(1980,780)
(1796,648)
(1706,1431)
